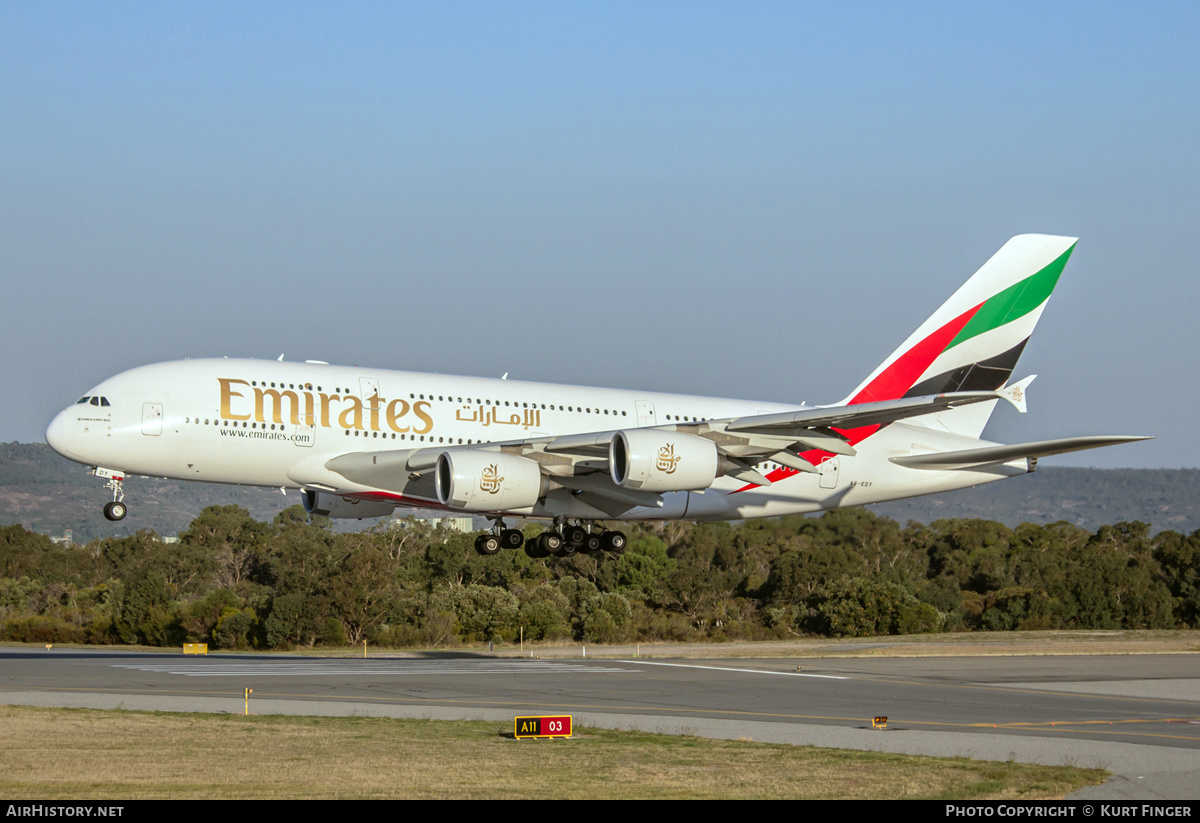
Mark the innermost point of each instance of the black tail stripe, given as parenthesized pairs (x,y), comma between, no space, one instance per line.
(986,375)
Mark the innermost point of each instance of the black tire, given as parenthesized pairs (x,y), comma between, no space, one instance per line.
(574,535)
(115,511)
(512,538)
(487,544)
(614,542)
(592,544)
(550,543)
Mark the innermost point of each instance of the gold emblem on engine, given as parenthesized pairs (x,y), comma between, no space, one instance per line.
(490,479)
(667,459)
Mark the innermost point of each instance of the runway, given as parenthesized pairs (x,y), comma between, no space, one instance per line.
(1135,715)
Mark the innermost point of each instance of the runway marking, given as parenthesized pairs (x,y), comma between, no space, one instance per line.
(1048,692)
(491,703)
(727,669)
(1039,724)
(682,714)
(343,668)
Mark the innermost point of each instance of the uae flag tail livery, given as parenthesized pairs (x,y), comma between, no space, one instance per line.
(973,341)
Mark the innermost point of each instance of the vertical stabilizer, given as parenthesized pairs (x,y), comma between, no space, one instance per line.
(973,341)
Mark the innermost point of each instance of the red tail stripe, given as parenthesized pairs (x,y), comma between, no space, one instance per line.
(902,374)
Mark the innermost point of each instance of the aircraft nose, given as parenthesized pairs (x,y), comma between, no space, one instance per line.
(56,434)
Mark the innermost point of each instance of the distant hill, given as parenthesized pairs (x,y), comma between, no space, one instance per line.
(49,494)
(1164,498)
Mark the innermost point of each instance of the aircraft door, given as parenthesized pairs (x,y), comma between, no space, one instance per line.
(645,413)
(304,436)
(369,391)
(152,417)
(829,473)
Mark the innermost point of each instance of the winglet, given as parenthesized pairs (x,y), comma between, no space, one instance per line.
(1015,393)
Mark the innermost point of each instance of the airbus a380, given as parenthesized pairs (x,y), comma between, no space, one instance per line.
(360,442)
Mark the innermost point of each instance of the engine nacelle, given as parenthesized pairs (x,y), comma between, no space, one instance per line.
(658,461)
(335,505)
(486,481)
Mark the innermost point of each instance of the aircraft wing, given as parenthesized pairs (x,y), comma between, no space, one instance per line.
(741,441)
(619,470)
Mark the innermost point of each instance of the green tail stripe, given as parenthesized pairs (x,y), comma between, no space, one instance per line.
(1016,301)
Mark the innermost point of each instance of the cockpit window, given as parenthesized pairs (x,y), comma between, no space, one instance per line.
(82,400)
(95,401)
(103,401)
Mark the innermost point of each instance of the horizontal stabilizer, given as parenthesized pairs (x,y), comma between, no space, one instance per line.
(971,458)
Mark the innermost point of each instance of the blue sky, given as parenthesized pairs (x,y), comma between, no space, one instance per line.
(752,200)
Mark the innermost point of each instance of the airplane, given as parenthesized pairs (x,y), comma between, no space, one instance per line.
(360,442)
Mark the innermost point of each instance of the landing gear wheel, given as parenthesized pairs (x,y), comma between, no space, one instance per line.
(591,544)
(115,510)
(567,550)
(487,544)
(544,545)
(613,542)
(512,538)
(575,535)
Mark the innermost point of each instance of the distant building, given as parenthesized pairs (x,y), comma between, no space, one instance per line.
(458,524)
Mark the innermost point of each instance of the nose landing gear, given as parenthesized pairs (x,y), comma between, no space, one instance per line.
(116,510)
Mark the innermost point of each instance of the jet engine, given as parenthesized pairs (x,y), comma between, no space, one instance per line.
(659,461)
(335,505)
(486,481)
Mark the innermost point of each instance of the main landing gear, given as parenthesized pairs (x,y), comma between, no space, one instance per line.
(563,540)
(568,540)
(116,510)
(500,538)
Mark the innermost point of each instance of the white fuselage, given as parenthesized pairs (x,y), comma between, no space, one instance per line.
(277,424)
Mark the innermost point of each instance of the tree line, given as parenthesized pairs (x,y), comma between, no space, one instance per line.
(237,583)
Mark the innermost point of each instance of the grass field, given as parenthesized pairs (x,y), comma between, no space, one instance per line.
(60,754)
